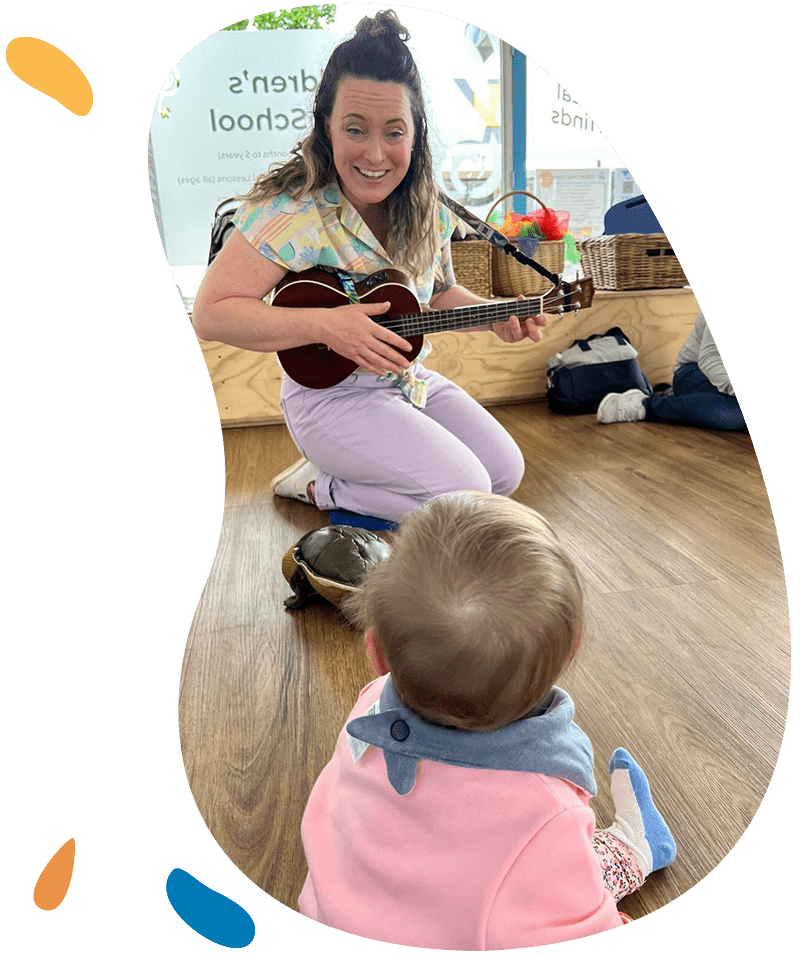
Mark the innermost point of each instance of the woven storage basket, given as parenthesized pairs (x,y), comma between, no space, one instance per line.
(472,266)
(627,262)
(510,277)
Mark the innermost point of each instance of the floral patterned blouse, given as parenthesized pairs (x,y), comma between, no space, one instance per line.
(324,229)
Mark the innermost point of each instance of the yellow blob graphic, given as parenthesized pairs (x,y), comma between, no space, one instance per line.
(54,881)
(47,69)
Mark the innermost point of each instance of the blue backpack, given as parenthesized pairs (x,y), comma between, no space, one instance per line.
(631,216)
(579,378)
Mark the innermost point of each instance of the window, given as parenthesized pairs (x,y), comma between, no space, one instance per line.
(240,100)
(569,164)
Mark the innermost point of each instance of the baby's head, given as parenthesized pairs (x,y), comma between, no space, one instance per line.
(476,612)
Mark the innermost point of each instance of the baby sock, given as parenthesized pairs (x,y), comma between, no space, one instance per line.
(638,823)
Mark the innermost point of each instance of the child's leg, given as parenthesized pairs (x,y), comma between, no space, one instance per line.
(694,401)
(639,841)
(621,872)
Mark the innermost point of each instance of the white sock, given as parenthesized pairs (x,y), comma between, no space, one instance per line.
(638,822)
(628,824)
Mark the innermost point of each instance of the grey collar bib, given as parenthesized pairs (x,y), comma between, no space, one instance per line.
(547,742)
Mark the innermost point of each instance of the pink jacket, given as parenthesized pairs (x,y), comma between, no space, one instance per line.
(427,836)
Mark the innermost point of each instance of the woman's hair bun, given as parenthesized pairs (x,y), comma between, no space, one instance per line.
(384,22)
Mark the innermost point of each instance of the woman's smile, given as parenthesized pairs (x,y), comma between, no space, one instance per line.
(372,173)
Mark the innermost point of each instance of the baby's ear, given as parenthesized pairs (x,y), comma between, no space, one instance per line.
(374,654)
(576,643)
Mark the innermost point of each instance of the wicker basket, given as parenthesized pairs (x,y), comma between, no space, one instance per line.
(472,265)
(628,262)
(510,277)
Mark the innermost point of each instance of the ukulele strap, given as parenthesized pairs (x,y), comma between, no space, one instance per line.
(348,286)
(497,239)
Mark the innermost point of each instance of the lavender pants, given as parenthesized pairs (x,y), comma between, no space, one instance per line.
(380,455)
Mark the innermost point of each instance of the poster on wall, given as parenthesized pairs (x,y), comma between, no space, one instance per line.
(582,192)
(623,187)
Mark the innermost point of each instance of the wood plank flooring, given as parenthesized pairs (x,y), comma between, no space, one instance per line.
(685,660)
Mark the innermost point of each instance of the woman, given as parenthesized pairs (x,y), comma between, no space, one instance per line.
(359,195)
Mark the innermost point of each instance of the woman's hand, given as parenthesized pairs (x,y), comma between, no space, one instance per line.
(513,330)
(230,308)
(350,331)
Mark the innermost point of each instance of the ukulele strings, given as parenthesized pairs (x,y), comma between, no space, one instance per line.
(498,312)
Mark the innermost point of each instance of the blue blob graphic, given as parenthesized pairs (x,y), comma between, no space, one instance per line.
(214,916)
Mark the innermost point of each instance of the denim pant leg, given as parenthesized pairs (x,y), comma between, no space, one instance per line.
(695,402)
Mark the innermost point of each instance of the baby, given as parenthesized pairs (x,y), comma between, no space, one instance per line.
(455,813)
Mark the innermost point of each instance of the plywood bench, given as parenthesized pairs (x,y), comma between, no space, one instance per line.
(247,384)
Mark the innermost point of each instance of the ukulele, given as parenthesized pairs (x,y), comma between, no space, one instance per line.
(318,366)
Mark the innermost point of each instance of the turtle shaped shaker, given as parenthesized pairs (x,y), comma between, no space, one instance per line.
(330,562)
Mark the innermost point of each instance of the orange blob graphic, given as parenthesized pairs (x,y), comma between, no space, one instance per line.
(56,876)
(47,69)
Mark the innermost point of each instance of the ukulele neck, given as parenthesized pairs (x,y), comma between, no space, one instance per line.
(454,319)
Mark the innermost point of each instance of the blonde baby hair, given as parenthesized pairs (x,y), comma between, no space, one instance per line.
(476,611)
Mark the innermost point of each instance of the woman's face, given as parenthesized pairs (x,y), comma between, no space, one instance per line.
(371,129)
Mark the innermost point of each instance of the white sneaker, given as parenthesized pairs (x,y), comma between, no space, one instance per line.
(294,481)
(622,407)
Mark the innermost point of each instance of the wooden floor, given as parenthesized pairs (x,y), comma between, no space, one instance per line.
(685,660)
